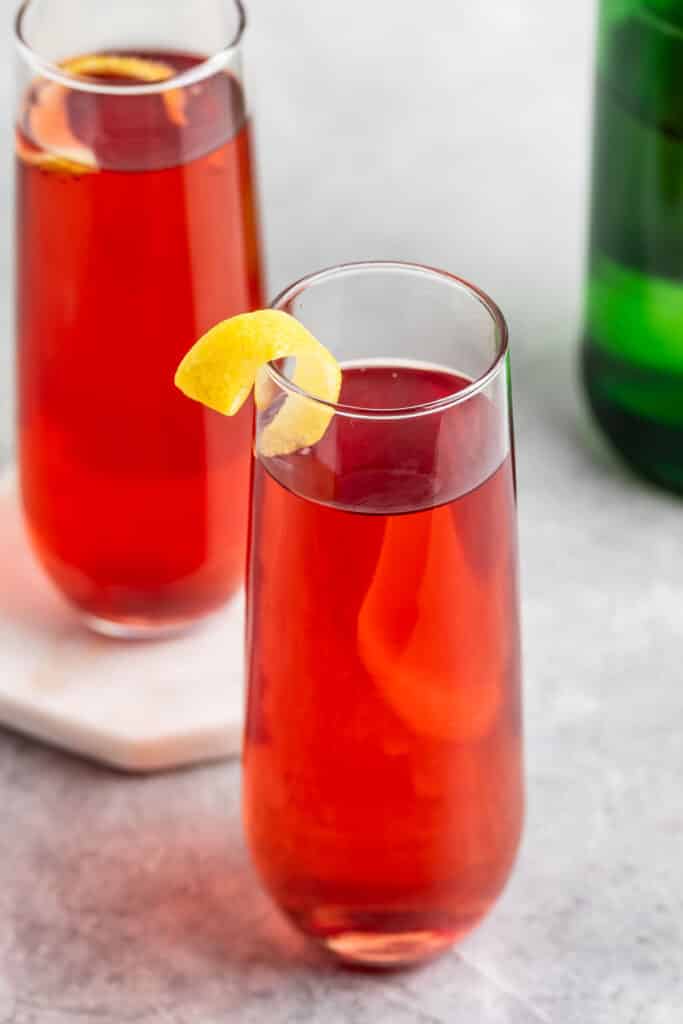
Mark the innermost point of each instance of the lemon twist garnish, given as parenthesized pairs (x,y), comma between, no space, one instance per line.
(139,68)
(29,154)
(49,123)
(120,67)
(221,369)
(423,654)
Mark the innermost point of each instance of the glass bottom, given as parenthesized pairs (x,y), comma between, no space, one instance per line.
(384,938)
(139,629)
(390,950)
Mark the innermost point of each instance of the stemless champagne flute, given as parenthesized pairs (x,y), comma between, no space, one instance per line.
(382,772)
(135,232)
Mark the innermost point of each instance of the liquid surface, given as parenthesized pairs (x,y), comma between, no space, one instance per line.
(376,466)
(383,792)
(136,498)
(633,352)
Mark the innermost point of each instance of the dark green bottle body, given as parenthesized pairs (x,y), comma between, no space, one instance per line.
(633,342)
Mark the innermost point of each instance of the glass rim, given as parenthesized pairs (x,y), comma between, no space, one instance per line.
(48,69)
(479,384)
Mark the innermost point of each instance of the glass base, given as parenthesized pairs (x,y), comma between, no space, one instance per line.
(138,629)
(387,950)
(386,937)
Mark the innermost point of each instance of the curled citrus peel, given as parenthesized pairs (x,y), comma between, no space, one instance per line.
(221,369)
(138,68)
(440,674)
(80,161)
(98,64)
(48,121)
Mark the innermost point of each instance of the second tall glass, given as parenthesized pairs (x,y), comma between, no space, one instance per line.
(135,233)
(382,770)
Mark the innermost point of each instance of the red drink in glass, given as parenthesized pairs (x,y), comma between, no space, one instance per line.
(135,499)
(383,788)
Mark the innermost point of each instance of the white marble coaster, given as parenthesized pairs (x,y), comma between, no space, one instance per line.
(141,706)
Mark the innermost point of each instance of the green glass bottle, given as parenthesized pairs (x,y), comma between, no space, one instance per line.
(633,344)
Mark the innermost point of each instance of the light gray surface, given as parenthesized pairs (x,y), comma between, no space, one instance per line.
(455,134)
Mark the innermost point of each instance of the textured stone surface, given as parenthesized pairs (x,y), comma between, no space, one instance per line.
(454,134)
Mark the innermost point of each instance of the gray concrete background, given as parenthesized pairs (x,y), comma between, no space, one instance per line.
(454,134)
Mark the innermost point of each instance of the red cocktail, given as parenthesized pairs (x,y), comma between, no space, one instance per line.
(135,232)
(383,788)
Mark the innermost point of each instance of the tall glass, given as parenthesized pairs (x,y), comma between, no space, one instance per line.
(136,232)
(633,347)
(382,773)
